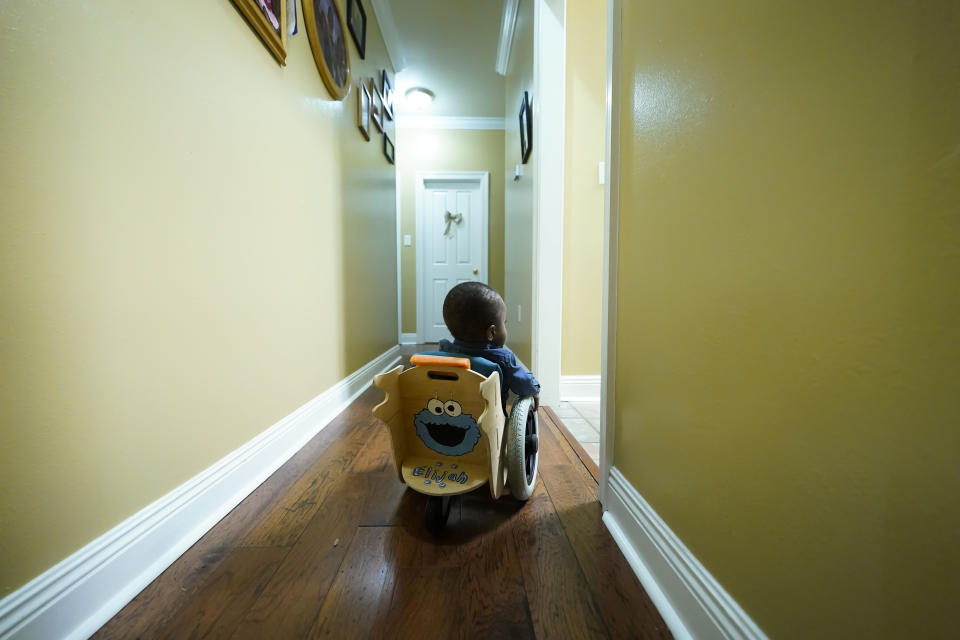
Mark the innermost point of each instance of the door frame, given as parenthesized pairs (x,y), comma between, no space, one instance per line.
(611,224)
(549,123)
(482,178)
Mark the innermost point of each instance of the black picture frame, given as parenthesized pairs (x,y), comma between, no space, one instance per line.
(526,127)
(376,105)
(357,21)
(388,148)
(387,92)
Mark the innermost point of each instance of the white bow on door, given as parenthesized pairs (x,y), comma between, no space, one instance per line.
(451,219)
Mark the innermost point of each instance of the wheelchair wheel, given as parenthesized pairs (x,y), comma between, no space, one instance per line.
(523,444)
(438,510)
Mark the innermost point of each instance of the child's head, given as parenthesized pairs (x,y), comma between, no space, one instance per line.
(475,312)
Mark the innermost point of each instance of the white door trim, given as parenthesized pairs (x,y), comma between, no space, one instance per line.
(482,178)
(611,225)
(549,131)
(399,245)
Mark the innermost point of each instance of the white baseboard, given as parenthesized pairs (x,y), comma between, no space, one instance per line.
(77,596)
(691,601)
(579,388)
(408,338)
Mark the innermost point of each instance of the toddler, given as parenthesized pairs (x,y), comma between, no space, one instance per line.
(476,316)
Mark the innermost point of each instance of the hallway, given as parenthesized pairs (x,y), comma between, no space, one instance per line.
(333,545)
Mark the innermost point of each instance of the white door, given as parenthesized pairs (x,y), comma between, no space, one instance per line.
(452,242)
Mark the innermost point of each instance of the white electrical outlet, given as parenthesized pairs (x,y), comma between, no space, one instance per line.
(407,240)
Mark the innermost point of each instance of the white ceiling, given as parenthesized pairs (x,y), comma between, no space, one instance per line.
(450,47)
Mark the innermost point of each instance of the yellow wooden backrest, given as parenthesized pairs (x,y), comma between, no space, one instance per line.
(434,400)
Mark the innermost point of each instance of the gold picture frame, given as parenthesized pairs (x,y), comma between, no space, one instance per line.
(261,15)
(328,42)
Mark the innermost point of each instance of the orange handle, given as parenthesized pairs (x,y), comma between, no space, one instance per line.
(439,361)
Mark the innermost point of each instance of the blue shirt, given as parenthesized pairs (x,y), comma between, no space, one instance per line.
(515,377)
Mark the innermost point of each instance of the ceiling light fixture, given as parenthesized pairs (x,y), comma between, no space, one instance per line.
(419,98)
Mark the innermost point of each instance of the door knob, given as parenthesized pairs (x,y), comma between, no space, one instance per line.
(476,271)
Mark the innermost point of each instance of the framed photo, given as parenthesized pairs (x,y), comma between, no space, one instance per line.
(329,44)
(526,128)
(376,105)
(363,109)
(387,94)
(357,23)
(269,20)
(388,148)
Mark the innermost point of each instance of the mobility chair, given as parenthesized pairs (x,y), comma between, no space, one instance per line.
(450,433)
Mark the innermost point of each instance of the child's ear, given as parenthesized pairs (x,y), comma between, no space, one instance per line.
(491,331)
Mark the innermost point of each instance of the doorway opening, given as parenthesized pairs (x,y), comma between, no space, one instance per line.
(453,211)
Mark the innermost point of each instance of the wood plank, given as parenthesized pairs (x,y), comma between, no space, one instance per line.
(287,517)
(554,451)
(626,609)
(349,609)
(289,604)
(411,545)
(153,609)
(574,444)
(494,597)
(424,603)
(561,602)
(377,454)
(388,503)
(219,604)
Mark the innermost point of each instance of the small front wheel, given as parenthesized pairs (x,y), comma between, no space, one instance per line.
(523,445)
(438,510)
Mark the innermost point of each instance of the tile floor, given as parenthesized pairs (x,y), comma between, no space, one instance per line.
(582,419)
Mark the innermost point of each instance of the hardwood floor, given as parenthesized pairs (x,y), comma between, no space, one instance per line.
(333,545)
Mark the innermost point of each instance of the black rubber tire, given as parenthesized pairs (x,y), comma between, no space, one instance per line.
(438,510)
(522,449)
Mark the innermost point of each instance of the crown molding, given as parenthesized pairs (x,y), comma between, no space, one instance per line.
(449,122)
(391,37)
(507,25)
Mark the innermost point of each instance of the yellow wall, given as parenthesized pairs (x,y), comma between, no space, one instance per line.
(518,207)
(196,241)
(787,351)
(585,143)
(446,150)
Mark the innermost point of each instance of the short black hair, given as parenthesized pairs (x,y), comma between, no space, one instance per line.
(470,308)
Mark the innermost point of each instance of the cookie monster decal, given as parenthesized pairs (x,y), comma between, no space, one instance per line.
(444,428)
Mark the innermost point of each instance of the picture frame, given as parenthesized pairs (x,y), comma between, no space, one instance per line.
(526,127)
(389,150)
(328,42)
(268,18)
(363,109)
(376,105)
(387,94)
(357,23)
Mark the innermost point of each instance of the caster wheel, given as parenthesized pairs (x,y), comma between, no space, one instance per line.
(523,445)
(438,510)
